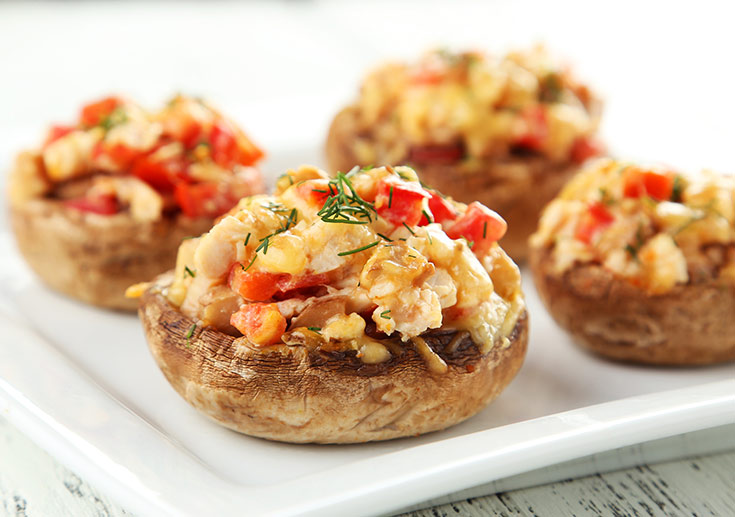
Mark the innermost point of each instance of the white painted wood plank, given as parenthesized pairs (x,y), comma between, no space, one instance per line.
(33,484)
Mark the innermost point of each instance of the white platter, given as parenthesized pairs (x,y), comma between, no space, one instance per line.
(81,383)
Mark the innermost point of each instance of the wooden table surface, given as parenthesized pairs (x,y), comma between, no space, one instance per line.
(33,484)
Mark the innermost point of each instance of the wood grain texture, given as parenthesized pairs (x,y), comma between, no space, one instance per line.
(33,484)
(702,486)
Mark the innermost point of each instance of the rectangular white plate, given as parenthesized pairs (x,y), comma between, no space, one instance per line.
(80,381)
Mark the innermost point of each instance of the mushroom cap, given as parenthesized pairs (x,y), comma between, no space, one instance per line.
(691,324)
(92,257)
(294,394)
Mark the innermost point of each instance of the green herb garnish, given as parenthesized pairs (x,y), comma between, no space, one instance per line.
(363,248)
(188,271)
(385,314)
(318,330)
(189,333)
(408,228)
(484,230)
(677,189)
(390,197)
(344,205)
(428,218)
(385,237)
(247,239)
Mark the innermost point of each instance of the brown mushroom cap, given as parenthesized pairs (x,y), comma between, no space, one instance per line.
(293,394)
(690,325)
(517,188)
(92,257)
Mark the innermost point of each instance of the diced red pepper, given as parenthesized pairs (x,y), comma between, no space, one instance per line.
(428,74)
(249,152)
(597,218)
(260,286)
(163,175)
(638,182)
(479,225)
(584,148)
(437,154)
(441,209)
(400,201)
(254,286)
(202,199)
(94,113)
(230,148)
(262,323)
(316,191)
(55,132)
(102,205)
(121,154)
(537,129)
(225,151)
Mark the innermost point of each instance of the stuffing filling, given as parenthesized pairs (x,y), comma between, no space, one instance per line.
(349,262)
(653,226)
(470,108)
(117,157)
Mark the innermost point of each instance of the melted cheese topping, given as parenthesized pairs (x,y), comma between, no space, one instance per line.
(331,279)
(673,229)
(484,104)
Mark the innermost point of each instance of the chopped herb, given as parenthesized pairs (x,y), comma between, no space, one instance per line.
(315,329)
(245,268)
(677,189)
(291,220)
(633,249)
(484,230)
(412,256)
(118,116)
(404,176)
(344,205)
(276,208)
(385,314)
(428,218)
(366,247)
(428,235)
(188,271)
(320,191)
(408,228)
(189,333)
(390,197)
(605,197)
(247,239)
(366,168)
(385,237)
(402,239)
(286,175)
(690,222)
(551,88)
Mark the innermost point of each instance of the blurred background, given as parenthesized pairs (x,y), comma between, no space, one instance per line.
(283,68)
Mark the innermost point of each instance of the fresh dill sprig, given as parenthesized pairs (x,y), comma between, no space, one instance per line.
(344,204)
(357,250)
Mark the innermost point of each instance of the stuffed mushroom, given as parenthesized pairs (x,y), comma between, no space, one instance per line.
(638,263)
(105,202)
(359,308)
(506,131)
